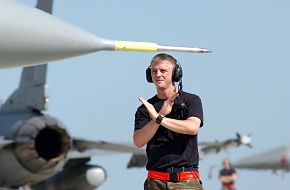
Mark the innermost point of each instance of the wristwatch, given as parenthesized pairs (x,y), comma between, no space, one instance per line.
(159,119)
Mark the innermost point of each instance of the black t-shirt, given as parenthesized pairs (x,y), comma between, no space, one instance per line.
(228,172)
(168,148)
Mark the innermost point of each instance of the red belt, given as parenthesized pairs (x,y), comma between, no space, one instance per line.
(166,176)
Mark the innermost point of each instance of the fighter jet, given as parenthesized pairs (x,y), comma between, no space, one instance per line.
(36,150)
(207,148)
(30,36)
(275,159)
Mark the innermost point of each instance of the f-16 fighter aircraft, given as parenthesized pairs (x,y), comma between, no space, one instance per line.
(36,150)
(30,36)
(275,159)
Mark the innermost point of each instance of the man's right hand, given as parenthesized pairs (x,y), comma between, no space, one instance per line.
(168,104)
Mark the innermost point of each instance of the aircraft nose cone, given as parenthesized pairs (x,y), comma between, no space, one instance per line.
(30,36)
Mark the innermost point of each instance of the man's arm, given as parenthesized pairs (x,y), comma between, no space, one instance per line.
(189,126)
(144,135)
(228,178)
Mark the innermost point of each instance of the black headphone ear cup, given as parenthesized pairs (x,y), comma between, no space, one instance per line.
(177,73)
(148,75)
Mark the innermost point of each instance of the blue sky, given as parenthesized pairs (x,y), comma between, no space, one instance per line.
(243,83)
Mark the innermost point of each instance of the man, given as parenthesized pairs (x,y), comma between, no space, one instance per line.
(228,175)
(168,123)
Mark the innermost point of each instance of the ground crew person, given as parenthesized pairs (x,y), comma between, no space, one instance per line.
(168,123)
(228,175)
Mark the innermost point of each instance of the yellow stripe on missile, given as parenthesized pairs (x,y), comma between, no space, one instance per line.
(135,46)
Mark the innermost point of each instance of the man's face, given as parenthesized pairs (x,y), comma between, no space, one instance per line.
(161,73)
(226,163)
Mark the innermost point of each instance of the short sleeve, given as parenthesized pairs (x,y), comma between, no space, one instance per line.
(194,105)
(141,117)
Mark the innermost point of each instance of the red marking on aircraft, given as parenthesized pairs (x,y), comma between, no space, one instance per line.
(284,160)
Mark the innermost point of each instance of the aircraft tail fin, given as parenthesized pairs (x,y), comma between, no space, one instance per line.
(32,93)
(45,5)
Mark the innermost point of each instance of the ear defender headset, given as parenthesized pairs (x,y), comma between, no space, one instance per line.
(179,109)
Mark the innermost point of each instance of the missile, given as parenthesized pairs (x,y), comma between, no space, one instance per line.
(29,36)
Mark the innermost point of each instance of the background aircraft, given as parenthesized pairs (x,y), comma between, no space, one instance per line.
(243,83)
(207,148)
(275,159)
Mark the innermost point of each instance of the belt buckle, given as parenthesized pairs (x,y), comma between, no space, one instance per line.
(174,177)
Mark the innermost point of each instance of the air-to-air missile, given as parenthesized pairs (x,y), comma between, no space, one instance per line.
(29,36)
(275,159)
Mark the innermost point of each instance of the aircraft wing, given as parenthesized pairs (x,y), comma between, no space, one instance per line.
(85,148)
(209,143)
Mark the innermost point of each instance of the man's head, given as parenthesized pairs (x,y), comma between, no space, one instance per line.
(163,67)
(227,163)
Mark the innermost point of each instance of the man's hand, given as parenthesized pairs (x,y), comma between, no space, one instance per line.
(150,108)
(167,105)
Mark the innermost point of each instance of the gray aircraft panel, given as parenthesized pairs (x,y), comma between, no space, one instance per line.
(45,6)
(34,75)
(32,93)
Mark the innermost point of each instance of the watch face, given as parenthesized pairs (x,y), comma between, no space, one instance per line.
(159,119)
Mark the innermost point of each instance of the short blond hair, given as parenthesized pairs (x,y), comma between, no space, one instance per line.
(164,56)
